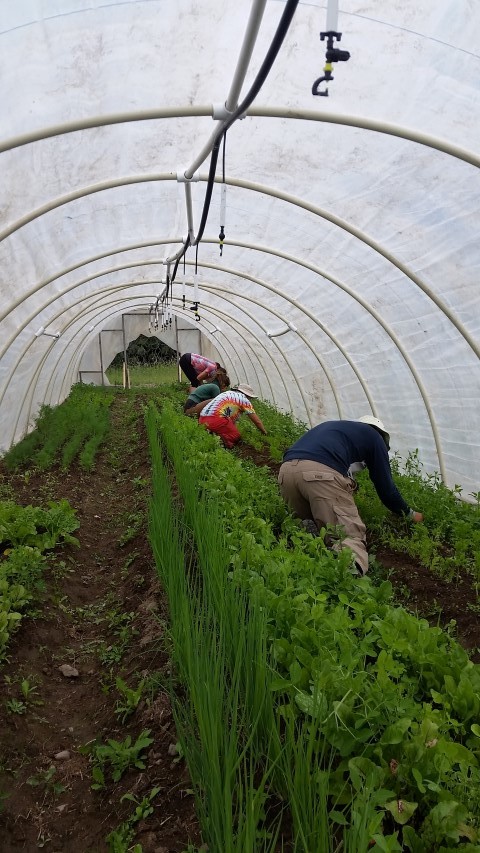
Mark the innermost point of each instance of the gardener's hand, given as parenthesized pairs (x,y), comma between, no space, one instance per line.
(416,517)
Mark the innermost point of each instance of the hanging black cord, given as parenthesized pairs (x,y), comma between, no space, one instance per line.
(262,75)
(181,255)
(223,199)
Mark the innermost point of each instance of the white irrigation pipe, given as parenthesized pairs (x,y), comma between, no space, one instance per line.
(224,112)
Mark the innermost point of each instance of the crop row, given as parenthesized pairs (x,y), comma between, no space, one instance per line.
(26,534)
(372,715)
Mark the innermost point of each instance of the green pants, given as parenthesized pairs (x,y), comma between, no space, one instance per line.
(317,492)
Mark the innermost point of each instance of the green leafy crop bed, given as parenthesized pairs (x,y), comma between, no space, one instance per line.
(315,713)
(383,709)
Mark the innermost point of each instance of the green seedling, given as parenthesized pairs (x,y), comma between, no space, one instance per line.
(127,563)
(15,706)
(120,839)
(119,756)
(46,779)
(28,690)
(140,482)
(130,698)
(143,808)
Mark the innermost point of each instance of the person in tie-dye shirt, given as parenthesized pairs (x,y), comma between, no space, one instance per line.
(219,415)
(197,368)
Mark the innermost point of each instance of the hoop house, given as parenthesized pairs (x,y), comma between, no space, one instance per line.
(134,133)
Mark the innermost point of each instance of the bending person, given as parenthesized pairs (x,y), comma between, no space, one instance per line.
(197,368)
(314,478)
(220,415)
(199,397)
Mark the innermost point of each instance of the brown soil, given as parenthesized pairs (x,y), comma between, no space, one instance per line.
(96,597)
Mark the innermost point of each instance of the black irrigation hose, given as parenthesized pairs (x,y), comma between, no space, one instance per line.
(257,84)
(185,247)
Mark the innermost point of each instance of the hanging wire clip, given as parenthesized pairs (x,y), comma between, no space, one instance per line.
(221,237)
(197,317)
(332,54)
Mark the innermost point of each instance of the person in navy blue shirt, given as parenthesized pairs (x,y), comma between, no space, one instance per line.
(315,478)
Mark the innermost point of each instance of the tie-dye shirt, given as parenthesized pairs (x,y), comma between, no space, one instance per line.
(229,404)
(200,364)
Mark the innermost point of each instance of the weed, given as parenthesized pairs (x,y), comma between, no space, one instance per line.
(130,698)
(140,482)
(14,706)
(28,690)
(120,756)
(134,522)
(46,779)
(127,563)
(112,654)
(144,807)
(155,682)
(120,839)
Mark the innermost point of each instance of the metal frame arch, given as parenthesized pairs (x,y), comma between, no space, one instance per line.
(220,268)
(124,301)
(189,111)
(68,289)
(116,288)
(264,249)
(78,284)
(217,312)
(358,233)
(303,310)
(400,348)
(36,374)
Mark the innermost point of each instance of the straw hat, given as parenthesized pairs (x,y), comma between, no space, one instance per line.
(247,390)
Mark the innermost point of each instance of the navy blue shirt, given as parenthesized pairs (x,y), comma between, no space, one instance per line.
(338,444)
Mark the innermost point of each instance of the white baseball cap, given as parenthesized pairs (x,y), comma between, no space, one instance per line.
(247,390)
(377,423)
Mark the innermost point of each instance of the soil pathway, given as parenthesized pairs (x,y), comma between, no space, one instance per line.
(102,614)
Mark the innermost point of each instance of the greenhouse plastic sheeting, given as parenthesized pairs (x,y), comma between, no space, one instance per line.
(348,281)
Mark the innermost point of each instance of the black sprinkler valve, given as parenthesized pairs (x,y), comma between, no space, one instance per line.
(332,54)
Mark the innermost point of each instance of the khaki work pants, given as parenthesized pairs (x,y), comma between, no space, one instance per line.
(314,491)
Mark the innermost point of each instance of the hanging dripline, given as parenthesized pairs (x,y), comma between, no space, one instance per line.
(223,200)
